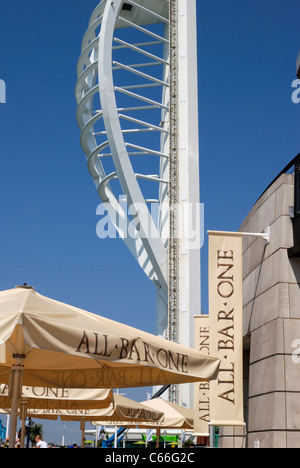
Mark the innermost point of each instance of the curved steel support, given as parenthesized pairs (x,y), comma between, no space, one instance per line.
(95,70)
(138,115)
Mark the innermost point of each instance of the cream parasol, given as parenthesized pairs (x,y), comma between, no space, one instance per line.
(47,343)
(43,398)
(120,409)
(175,416)
(47,399)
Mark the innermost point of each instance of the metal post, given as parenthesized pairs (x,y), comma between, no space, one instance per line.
(82,428)
(116,437)
(63,437)
(266,235)
(212,436)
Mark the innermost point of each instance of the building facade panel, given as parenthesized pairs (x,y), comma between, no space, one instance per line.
(271,323)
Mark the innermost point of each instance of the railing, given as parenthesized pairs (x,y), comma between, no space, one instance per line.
(291,167)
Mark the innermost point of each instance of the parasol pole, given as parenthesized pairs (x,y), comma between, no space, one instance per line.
(157,436)
(23,417)
(15,393)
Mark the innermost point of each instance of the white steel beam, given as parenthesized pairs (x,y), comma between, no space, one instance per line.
(153,246)
(189,296)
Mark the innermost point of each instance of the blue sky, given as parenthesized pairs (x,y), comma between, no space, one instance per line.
(249,131)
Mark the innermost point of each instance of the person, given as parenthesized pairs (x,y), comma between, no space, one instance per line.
(40,443)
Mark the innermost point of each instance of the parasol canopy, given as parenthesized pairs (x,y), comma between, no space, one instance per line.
(43,398)
(175,416)
(122,409)
(46,343)
(62,346)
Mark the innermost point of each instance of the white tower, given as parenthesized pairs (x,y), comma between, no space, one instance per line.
(138,115)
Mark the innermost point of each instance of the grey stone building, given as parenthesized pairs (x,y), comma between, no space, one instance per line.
(271,313)
(271,277)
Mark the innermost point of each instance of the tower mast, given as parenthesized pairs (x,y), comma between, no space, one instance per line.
(184,185)
(173,187)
